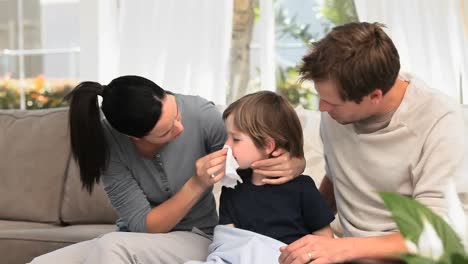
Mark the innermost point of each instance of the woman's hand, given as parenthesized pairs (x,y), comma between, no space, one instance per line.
(282,167)
(210,169)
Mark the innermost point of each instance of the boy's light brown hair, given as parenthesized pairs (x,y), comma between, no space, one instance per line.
(266,114)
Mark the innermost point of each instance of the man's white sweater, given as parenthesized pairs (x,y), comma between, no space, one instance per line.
(415,155)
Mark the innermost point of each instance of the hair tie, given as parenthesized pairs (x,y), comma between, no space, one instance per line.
(101,89)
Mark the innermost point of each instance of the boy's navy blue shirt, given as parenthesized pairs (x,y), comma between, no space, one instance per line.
(285,212)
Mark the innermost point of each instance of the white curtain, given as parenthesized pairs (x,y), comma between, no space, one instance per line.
(267,46)
(182,45)
(429,36)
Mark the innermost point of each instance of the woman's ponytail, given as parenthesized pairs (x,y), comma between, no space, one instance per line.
(88,143)
(132,105)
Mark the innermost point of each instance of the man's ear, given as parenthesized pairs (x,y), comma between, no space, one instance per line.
(376,96)
(270,145)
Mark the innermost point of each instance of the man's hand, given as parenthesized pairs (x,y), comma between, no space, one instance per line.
(320,250)
(317,250)
(282,167)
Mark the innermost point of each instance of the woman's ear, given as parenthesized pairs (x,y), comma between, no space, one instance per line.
(270,145)
(134,138)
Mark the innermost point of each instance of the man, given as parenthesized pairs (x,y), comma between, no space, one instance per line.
(382,131)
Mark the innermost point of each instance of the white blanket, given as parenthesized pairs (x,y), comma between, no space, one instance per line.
(237,246)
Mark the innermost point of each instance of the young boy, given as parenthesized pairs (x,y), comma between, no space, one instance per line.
(266,217)
(258,124)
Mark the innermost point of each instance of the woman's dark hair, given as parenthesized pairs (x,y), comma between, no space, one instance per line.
(132,106)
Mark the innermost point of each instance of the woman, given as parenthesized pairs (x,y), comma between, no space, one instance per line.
(158,170)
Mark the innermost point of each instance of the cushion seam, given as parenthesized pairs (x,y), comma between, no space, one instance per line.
(39,240)
(33,115)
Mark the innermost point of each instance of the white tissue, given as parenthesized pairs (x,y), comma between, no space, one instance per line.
(231,177)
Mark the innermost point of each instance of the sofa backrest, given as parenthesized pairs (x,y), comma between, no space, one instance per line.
(39,181)
(313,146)
(465,115)
(78,207)
(38,178)
(34,157)
(464,181)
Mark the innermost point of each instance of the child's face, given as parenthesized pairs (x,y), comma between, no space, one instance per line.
(243,148)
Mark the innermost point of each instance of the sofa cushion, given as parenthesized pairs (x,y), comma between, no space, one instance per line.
(465,116)
(35,150)
(462,181)
(313,145)
(79,207)
(21,242)
(10,225)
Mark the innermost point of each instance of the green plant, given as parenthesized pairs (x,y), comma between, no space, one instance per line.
(288,26)
(428,237)
(339,12)
(39,92)
(296,92)
(287,78)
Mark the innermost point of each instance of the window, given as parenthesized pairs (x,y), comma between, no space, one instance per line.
(39,52)
(297,24)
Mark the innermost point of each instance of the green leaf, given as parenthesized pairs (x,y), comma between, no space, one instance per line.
(408,215)
(339,12)
(415,259)
(458,259)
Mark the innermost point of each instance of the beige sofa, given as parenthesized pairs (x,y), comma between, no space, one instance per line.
(42,205)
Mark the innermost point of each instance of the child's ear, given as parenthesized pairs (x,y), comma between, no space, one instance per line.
(376,96)
(270,145)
